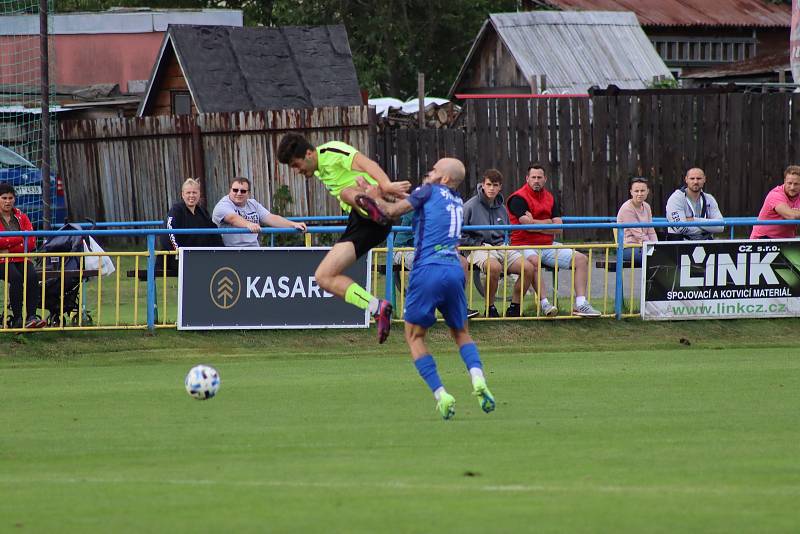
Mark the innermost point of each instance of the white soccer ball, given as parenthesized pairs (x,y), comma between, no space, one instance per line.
(202,382)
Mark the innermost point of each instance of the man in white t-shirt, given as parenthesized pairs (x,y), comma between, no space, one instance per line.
(238,210)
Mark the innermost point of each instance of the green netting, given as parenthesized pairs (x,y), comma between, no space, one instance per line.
(20,92)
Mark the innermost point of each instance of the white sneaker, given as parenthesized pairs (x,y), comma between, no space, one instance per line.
(585,310)
(549,310)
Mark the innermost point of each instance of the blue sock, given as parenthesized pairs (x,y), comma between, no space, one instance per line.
(470,356)
(426,366)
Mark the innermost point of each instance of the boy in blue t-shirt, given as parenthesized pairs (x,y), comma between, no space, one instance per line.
(437,279)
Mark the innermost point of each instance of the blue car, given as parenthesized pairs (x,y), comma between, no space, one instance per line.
(27,181)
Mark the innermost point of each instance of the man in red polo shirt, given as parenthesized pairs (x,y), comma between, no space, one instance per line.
(534,204)
(782,202)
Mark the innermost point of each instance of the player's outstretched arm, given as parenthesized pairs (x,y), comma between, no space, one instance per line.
(394,210)
(388,187)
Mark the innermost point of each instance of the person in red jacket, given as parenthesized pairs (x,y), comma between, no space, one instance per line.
(534,204)
(13,220)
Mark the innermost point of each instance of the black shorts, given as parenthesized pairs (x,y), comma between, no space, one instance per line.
(365,234)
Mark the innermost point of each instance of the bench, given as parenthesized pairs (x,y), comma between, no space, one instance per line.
(142,274)
(56,273)
(612,264)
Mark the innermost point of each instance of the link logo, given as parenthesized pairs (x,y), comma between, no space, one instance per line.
(721,269)
(225,288)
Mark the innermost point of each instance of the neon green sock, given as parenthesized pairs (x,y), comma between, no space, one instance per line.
(358,296)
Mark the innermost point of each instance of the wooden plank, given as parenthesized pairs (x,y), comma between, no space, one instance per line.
(552,134)
(600,145)
(756,129)
(794,150)
(622,176)
(586,175)
(513,137)
(783,110)
(669,151)
(734,176)
(560,180)
(523,153)
(662,186)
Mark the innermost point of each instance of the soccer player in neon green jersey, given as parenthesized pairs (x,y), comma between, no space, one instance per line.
(343,170)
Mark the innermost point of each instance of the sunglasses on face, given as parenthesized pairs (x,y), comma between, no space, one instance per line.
(243,191)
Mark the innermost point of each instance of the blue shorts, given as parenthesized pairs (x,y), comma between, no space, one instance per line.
(433,287)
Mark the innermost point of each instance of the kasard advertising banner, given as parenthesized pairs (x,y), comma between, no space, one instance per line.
(243,288)
(728,279)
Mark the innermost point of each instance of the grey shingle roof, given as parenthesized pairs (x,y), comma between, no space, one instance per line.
(233,69)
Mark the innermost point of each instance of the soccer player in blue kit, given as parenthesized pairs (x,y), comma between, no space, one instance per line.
(437,279)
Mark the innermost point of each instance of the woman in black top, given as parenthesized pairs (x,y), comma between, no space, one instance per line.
(188,213)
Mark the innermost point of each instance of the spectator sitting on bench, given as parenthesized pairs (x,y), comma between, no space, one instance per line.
(487,208)
(636,210)
(534,204)
(238,210)
(782,202)
(691,203)
(188,213)
(13,220)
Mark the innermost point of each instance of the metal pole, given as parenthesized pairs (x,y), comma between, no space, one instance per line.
(618,293)
(390,267)
(45,96)
(151,282)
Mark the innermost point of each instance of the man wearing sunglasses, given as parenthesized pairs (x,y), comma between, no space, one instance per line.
(238,210)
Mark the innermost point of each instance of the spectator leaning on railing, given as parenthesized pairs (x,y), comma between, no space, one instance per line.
(188,213)
(487,208)
(534,204)
(782,202)
(690,203)
(636,210)
(13,220)
(238,210)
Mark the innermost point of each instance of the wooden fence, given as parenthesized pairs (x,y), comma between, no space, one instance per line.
(132,169)
(408,154)
(591,147)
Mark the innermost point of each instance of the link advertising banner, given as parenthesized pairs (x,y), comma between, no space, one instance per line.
(243,288)
(721,279)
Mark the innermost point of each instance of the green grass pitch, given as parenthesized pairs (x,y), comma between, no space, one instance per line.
(601,426)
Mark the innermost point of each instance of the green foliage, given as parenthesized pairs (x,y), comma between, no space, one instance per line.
(281,205)
(667,83)
(282,200)
(392,40)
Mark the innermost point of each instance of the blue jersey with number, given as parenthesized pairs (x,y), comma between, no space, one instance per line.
(438,215)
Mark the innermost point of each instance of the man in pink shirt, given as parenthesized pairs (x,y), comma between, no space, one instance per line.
(783,202)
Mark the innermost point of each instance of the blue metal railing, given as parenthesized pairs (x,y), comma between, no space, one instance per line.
(150,235)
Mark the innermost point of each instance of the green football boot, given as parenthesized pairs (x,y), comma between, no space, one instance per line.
(446,405)
(485,398)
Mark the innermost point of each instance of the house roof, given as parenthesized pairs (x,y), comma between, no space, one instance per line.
(232,69)
(575,50)
(766,63)
(118,20)
(748,13)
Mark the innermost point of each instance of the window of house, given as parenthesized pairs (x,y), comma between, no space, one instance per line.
(181,103)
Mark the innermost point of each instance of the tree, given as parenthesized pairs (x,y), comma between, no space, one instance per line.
(392,40)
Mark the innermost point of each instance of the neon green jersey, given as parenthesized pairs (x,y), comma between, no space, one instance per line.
(335,169)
